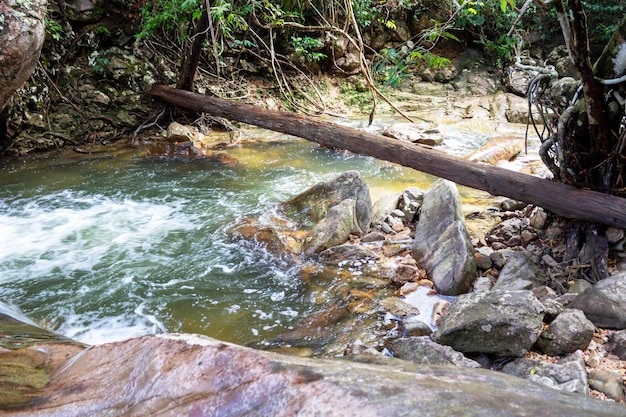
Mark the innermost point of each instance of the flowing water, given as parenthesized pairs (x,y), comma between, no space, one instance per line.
(105,247)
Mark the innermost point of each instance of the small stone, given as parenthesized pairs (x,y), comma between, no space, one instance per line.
(512,205)
(386,228)
(374,236)
(527,237)
(608,382)
(397,227)
(578,286)
(538,218)
(483,262)
(614,235)
(414,327)
(550,261)
(398,213)
(399,308)
(482,284)
(569,332)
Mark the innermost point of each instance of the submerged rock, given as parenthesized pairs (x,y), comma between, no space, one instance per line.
(424,133)
(174,375)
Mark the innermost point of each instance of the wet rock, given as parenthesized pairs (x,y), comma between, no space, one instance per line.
(424,351)
(519,273)
(569,332)
(482,284)
(413,326)
(610,383)
(423,132)
(312,205)
(568,374)
(172,375)
(605,303)
(346,252)
(398,307)
(334,229)
(178,133)
(505,323)
(442,244)
(22,35)
(29,356)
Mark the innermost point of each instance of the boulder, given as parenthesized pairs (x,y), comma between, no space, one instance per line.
(334,229)
(311,206)
(568,374)
(605,303)
(424,351)
(442,244)
(569,332)
(505,323)
(22,33)
(174,375)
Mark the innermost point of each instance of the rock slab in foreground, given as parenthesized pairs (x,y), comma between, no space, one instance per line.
(174,375)
(442,244)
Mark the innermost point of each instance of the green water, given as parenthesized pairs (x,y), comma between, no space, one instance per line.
(109,246)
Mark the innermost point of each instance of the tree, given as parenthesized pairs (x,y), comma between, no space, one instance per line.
(587,147)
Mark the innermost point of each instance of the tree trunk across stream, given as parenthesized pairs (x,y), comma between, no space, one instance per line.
(563,200)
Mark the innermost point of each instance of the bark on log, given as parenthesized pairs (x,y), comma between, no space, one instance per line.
(561,199)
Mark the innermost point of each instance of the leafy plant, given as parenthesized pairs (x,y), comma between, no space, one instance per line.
(306,46)
(53,28)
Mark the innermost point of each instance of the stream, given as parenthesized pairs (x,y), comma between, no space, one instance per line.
(108,246)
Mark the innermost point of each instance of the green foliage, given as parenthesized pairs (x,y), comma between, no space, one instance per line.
(54,29)
(393,66)
(102,31)
(306,46)
(169,16)
(603,18)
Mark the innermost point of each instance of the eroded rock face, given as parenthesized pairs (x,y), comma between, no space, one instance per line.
(174,375)
(21,36)
(442,244)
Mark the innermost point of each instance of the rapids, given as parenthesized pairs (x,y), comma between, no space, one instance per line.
(108,246)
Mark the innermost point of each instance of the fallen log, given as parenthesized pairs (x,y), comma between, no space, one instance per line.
(561,199)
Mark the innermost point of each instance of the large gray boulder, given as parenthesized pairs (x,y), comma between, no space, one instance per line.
(174,375)
(605,302)
(22,32)
(442,244)
(505,323)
